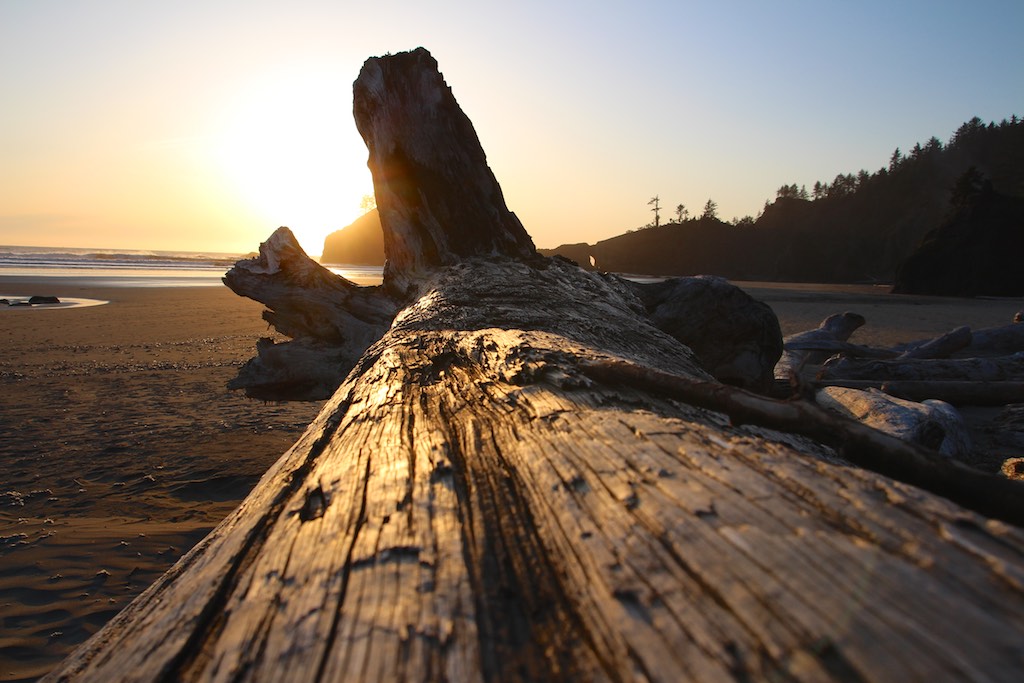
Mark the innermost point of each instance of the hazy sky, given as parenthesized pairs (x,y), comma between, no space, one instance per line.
(205,125)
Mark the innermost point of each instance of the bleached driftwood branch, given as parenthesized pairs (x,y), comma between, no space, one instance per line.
(971,393)
(1008,368)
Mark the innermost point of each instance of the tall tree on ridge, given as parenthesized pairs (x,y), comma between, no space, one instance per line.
(657,209)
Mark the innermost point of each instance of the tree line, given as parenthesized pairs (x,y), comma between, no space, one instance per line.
(857,227)
(928,153)
(931,152)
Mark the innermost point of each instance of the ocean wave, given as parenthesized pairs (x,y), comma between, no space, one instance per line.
(107,259)
(133,266)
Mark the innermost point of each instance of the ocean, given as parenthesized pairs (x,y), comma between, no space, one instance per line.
(140,268)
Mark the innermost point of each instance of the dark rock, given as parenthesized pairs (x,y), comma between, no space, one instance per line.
(579,253)
(35,300)
(975,252)
(736,337)
(360,243)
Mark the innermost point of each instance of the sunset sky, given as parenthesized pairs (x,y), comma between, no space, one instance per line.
(204,125)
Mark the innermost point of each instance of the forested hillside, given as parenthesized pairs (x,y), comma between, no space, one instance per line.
(858,227)
(975,251)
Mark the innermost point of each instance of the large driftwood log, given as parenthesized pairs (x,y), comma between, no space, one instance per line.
(524,479)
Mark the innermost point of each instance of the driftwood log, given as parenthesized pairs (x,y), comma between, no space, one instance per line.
(942,346)
(997,341)
(331,321)
(524,479)
(935,424)
(998,369)
(962,367)
(812,347)
(970,393)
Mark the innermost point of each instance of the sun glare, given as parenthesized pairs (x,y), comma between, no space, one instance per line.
(289,148)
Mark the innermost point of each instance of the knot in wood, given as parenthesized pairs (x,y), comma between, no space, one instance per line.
(315,504)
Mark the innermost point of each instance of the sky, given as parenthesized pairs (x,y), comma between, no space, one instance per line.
(202,126)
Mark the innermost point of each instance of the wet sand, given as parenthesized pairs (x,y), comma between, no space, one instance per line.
(891,318)
(121,447)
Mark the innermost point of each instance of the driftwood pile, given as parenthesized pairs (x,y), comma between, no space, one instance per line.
(910,390)
(527,474)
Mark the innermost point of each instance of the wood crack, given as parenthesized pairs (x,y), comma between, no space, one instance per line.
(346,570)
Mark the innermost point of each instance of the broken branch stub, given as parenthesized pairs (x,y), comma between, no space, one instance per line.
(438,200)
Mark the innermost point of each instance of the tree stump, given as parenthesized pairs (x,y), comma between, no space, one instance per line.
(495,492)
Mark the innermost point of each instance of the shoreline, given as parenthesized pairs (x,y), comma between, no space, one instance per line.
(61,280)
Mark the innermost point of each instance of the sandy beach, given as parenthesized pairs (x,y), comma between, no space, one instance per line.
(891,318)
(121,446)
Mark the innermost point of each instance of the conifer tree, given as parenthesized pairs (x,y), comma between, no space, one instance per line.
(710,210)
(896,160)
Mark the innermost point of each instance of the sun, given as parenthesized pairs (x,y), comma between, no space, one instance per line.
(289,149)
